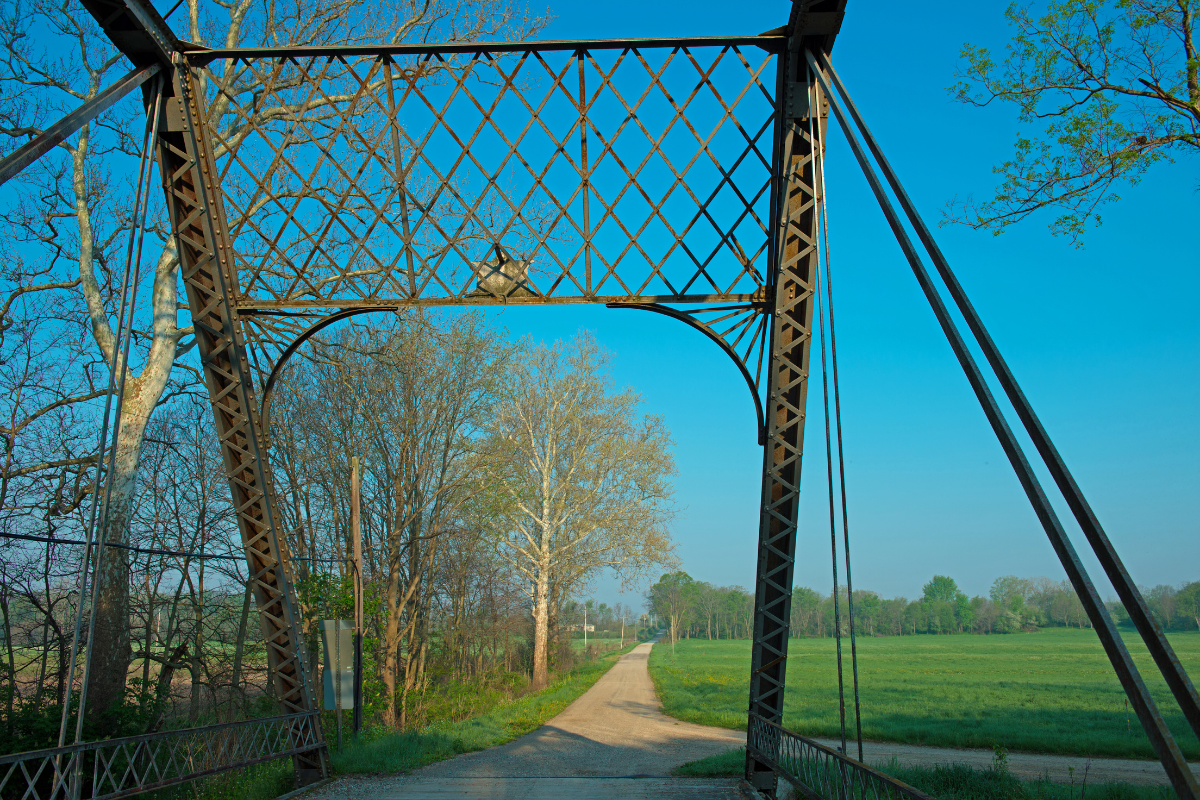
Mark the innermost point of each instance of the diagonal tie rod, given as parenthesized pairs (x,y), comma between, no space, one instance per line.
(1151,632)
(1160,736)
(57,133)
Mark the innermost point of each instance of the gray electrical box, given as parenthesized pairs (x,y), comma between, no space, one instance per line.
(337,642)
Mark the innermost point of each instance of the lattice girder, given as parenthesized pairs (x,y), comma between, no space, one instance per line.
(635,173)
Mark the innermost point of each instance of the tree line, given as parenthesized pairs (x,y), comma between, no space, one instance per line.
(695,609)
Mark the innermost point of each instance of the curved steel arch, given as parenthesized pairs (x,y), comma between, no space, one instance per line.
(290,350)
(689,318)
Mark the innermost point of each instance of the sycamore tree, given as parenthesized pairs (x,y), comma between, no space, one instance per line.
(1110,89)
(67,218)
(580,479)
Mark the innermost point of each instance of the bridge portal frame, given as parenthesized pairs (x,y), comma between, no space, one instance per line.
(764,327)
(249,318)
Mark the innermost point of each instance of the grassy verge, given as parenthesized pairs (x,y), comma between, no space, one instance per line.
(601,643)
(730,764)
(385,750)
(1048,692)
(957,782)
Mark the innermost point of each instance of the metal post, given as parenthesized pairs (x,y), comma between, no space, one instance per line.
(790,289)
(356,566)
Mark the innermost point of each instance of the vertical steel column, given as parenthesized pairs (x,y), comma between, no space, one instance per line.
(197,220)
(791,300)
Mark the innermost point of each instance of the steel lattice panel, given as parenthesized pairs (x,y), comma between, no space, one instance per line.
(635,173)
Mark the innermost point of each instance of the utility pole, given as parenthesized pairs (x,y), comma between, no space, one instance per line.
(585,630)
(356,567)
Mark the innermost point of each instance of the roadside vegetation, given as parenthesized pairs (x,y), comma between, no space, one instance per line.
(957,781)
(382,749)
(1051,691)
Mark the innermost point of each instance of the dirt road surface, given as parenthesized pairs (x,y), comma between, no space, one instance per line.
(611,742)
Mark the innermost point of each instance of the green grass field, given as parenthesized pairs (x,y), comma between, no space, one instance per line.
(602,643)
(1051,692)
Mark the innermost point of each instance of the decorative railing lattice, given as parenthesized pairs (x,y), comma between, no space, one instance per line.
(121,767)
(819,772)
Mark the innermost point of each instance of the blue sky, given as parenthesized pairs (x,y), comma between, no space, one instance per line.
(1103,339)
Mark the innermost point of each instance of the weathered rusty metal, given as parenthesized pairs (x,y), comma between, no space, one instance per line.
(115,768)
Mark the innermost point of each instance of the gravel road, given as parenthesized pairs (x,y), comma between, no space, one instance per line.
(614,735)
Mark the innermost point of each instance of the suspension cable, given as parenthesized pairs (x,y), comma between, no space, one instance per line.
(116,390)
(837,615)
(837,407)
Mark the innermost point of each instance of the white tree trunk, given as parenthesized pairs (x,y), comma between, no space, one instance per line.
(541,629)
(110,650)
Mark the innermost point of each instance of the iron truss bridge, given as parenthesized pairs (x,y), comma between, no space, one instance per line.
(679,176)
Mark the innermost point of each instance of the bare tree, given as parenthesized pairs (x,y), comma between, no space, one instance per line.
(581,483)
(411,400)
(75,205)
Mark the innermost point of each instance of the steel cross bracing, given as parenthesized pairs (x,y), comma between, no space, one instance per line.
(519,177)
(795,212)
(620,172)
(194,206)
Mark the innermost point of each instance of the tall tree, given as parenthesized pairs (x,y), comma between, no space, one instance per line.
(581,480)
(1115,87)
(1188,601)
(411,398)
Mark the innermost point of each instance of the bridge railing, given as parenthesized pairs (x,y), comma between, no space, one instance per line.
(819,772)
(113,768)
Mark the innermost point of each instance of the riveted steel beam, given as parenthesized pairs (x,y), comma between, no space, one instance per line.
(792,298)
(138,31)
(197,221)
